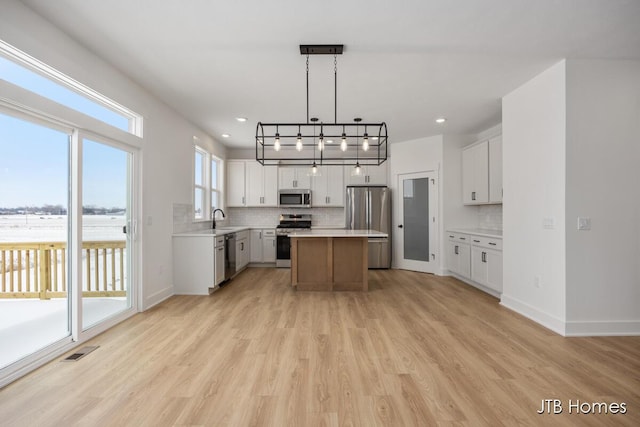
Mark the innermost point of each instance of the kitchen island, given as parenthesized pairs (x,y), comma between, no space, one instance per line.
(330,259)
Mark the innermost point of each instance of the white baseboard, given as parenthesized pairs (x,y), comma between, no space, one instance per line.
(157,298)
(548,321)
(602,328)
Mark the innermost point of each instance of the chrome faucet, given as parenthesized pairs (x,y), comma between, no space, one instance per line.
(213,217)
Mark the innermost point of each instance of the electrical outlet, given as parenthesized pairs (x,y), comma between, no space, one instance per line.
(536,281)
(584,223)
(549,222)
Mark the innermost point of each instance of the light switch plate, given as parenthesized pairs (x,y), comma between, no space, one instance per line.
(584,223)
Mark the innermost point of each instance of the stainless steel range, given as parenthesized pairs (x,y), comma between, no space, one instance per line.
(288,224)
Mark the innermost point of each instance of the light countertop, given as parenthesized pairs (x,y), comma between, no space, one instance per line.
(211,232)
(484,232)
(336,232)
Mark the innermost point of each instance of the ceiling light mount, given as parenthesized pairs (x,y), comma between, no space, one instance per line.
(294,143)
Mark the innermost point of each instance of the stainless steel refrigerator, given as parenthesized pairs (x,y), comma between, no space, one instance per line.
(369,208)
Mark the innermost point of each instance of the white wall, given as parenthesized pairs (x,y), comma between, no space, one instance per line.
(603,178)
(533,135)
(166,149)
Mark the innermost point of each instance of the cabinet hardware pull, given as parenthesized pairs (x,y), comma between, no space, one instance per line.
(450,236)
(473,195)
(242,246)
(477,241)
(455,250)
(492,244)
(484,257)
(463,238)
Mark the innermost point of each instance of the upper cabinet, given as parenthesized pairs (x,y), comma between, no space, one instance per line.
(262,185)
(482,172)
(294,177)
(495,169)
(328,189)
(236,183)
(371,175)
(251,184)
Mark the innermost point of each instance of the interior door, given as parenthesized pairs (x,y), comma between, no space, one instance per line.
(417,223)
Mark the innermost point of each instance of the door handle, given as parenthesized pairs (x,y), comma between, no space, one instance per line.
(400,226)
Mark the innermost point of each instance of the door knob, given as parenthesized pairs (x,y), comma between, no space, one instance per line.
(400,226)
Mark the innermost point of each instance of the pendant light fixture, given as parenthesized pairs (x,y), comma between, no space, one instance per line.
(299,140)
(315,170)
(357,170)
(283,143)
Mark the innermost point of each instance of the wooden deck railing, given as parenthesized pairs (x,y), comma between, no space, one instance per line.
(39,270)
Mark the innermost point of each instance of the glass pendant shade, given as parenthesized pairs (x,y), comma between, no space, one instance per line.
(356,171)
(276,144)
(299,142)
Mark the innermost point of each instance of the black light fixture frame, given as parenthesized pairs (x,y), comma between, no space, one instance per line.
(332,154)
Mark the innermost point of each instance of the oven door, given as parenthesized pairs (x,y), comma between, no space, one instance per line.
(283,251)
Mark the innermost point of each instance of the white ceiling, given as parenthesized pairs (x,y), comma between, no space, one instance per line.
(406,62)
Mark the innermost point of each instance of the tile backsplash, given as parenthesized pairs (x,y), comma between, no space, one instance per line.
(253,217)
(269,217)
(490,217)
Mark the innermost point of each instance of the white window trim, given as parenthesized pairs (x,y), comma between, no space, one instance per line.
(16,55)
(207,190)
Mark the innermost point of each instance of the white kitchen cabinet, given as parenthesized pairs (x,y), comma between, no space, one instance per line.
(495,169)
(194,265)
(269,245)
(482,172)
(477,259)
(219,259)
(242,250)
(328,189)
(256,246)
(459,254)
(475,174)
(236,183)
(294,177)
(486,262)
(261,184)
(263,246)
(371,175)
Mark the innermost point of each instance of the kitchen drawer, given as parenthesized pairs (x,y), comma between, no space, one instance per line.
(242,235)
(269,233)
(487,242)
(219,241)
(459,237)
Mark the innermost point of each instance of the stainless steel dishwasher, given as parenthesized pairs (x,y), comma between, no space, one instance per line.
(229,255)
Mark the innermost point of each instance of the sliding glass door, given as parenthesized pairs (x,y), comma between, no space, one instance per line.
(106,249)
(34,236)
(66,263)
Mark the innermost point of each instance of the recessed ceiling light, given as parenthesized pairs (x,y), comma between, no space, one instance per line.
(441,120)
(241,119)
(225,135)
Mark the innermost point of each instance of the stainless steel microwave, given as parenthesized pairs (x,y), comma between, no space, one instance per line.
(294,198)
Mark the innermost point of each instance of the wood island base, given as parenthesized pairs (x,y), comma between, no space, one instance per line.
(329,263)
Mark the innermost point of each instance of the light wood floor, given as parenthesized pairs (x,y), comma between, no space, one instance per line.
(416,350)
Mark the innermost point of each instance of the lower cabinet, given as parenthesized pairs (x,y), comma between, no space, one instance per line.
(263,246)
(476,259)
(219,260)
(242,250)
(459,261)
(194,265)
